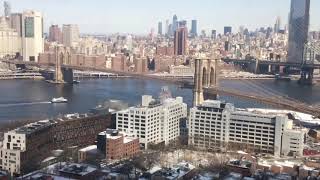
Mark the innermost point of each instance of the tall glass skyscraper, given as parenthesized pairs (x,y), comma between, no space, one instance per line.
(298,29)
(194,31)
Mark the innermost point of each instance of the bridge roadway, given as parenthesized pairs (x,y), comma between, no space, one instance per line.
(273,101)
(270,62)
(285,103)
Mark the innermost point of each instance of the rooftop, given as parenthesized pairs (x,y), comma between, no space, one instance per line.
(34,127)
(78,169)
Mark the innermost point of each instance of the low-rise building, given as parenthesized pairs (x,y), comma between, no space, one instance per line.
(216,125)
(154,121)
(118,145)
(25,147)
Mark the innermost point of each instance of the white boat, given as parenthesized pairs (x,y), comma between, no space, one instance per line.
(59,100)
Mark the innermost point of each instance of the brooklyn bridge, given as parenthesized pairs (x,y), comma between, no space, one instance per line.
(205,81)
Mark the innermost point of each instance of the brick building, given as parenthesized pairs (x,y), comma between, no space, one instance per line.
(117,145)
(23,148)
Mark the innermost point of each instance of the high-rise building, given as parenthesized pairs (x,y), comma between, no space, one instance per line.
(7,8)
(154,121)
(227,30)
(10,41)
(32,35)
(194,31)
(174,24)
(167,28)
(215,125)
(70,33)
(180,41)
(213,34)
(277,25)
(16,22)
(298,29)
(55,34)
(160,28)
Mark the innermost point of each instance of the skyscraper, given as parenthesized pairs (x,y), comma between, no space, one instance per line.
(55,34)
(32,35)
(7,8)
(277,25)
(180,40)
(70,34)
(194,31)
(167,29)
(160,28)
(298,29)
(213,34)
(174,23)
(227,29)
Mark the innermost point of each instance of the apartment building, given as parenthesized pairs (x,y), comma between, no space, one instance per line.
(118,145)
(154,121)
(25,147)
(215,125)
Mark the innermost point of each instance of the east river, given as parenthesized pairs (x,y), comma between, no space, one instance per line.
(29,99)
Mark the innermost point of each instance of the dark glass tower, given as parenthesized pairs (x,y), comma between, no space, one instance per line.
(194,31)
(298,29)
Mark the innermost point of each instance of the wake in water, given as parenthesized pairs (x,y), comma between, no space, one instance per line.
(24,104)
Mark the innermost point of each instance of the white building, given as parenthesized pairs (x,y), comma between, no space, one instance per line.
(10,41)
(20,147)
(71,35)
(153,122)
(32,35)
(214,125)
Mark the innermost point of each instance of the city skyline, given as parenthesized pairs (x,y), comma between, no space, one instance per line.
(105,17)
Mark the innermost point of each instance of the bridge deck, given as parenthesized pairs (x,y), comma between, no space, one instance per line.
(273,101)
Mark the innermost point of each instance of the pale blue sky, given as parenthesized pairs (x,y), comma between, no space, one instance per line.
(139,16)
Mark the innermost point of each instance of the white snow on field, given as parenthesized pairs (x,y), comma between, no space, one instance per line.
(307,118)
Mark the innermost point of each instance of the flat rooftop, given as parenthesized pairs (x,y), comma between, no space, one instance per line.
(78,169)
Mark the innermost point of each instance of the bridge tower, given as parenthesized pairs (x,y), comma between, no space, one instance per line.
(62,57)
(205,76)
(309,54)
(58,71)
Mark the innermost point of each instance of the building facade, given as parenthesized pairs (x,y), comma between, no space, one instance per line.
(216,126)
(71,35)
(55,34)
(23,148)
(10,41)
(180,41)
(32,35)
(298,29)
(153,122)
(117,145)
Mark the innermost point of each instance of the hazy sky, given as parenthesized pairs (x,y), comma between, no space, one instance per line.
(139,16)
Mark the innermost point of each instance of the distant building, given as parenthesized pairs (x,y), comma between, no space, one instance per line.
(117,145)
(214,34)
(227,30)
(16,22)
(10,41)
(194,30)
(55,34)
(180,41)
(7,8)
(153,122)
(160,28)
(215,125)
(174,24)
(298,29)
(71,35)
(32,35)
(277,25)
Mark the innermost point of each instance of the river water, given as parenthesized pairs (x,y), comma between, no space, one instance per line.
(29,99)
